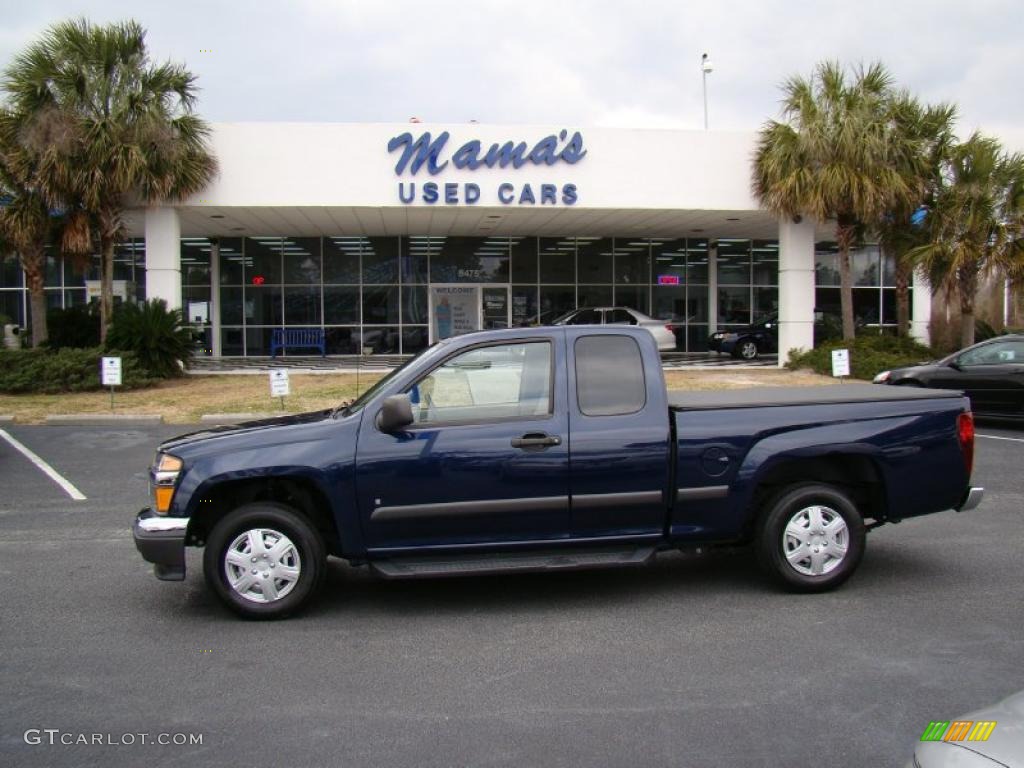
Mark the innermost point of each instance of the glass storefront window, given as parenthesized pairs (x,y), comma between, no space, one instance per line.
(10,272)
(232,341)
(383,341)
(635,296)
(594,259)
(195,261)
(632,263)
(734,306)
(53,277)
(302,305)
(414,260)
(697,262)
(524,304)
(263,305)
(231,271)
(669,260)
(733,262)
(867,306)
(556,300)
(557,260)
(766,302)
(414,304)
(594,296)
(301,260)
(524,259)
(341,260)
(380,260)
(257,341)
(470,260)
(765,258)
(380,304)
(231,304)
(263,260)
(342,341)
(414,338)
(341,305)
(864,266)
(669,303)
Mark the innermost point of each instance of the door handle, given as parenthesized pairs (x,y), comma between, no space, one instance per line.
(536,440)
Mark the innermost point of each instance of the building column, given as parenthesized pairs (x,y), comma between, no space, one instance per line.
(712,288)
(215,342)
(921,310)
(163,256)
(796,286)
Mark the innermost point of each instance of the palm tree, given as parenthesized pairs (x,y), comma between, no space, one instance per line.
(975,223)
(28,224)
(834,156)
(107,126)
(927,134)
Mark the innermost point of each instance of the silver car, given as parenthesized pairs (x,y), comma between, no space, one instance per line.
(662,331)
(993,737)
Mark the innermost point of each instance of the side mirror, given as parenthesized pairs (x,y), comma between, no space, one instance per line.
(395,413)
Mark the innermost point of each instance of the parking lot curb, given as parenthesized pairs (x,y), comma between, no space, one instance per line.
(238,418)
(6,419)
(105,420)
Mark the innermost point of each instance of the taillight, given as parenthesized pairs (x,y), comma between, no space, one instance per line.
(965,433)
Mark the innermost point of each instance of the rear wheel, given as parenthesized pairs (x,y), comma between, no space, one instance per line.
(746,349)
(811,537)
(264,560)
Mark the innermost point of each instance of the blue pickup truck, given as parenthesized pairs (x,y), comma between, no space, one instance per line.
(546,449)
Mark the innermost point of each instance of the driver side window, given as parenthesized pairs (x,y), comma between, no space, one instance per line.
(999,353)
(486,384)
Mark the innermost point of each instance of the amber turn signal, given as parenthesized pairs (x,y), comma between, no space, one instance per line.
(162,498)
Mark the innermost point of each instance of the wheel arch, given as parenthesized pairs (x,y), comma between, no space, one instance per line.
(215,499)
(858,474)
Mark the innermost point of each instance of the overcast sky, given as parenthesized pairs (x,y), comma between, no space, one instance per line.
(632,63)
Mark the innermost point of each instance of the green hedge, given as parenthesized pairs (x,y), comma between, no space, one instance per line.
(869,355)
(64,370)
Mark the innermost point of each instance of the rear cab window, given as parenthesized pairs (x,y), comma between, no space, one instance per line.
(609,376)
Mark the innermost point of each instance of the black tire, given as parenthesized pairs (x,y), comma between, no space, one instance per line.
(772,543)
(279,518)
(746,349)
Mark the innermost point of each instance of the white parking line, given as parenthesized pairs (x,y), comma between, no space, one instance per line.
(45,468)
(996,437)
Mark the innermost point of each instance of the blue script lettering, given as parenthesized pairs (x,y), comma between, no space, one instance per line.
(428,151)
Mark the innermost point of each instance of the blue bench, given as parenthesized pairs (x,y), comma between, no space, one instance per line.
(309,338)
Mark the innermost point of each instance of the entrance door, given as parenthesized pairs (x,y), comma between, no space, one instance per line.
(494,309)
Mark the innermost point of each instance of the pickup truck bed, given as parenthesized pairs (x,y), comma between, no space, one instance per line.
(764,397)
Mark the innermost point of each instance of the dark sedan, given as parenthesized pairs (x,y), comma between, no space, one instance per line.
(991,374)
(747,342)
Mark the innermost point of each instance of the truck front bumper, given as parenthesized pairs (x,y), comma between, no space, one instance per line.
(161,541)
(971,499)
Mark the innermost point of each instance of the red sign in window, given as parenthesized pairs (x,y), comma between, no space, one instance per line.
(258,280)
(668,280)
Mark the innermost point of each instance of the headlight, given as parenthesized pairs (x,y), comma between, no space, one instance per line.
(163,479)
(882,377)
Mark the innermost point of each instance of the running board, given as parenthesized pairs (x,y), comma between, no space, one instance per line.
(510,562)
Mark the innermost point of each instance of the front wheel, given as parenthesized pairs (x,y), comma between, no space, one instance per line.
(264,560)
(746,349)
(811,537)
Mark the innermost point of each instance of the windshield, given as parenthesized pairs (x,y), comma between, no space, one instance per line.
(364,398)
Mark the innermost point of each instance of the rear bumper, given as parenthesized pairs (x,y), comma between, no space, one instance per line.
(161,541)
(971,499)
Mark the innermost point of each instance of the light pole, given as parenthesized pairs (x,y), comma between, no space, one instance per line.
(705,67)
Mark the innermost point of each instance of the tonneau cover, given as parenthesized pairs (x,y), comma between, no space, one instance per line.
(780,396)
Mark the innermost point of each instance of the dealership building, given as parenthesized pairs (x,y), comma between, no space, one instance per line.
(390,236)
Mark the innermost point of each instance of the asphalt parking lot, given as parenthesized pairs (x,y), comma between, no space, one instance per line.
(691,662)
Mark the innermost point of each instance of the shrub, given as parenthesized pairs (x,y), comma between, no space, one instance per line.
(77,327)
(64,370)
(869,355)
(157,335)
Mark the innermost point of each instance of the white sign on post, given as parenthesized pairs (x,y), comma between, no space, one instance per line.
(279,383)
(840,362)
(110,371)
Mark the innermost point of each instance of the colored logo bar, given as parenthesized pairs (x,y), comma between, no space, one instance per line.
(958,730)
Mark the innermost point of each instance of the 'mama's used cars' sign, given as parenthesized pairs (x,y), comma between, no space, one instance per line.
(428,152)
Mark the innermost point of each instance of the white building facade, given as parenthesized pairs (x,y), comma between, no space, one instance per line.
(377,233)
